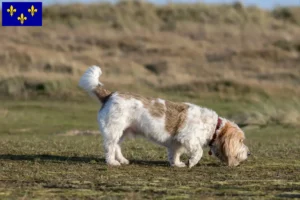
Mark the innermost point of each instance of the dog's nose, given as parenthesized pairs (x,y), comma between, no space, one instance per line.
(248,154)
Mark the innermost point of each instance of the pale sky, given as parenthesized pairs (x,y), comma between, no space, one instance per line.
(267,4)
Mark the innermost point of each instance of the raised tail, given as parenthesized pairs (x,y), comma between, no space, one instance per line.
(90,83)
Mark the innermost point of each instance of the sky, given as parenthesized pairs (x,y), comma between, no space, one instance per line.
(266,4)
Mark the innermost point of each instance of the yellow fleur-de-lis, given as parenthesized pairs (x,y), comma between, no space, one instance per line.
(32,10)
(22,18)
(11,10)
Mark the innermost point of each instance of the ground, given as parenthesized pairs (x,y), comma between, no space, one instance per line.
(43,157)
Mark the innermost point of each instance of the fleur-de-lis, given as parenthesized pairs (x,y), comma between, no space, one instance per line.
(11,10)
(22,18)
(32,10)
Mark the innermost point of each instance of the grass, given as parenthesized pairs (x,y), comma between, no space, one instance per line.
(39,161)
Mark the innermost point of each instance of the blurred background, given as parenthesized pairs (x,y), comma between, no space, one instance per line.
(262,4)
(211,52)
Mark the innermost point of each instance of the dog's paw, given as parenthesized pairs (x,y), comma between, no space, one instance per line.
(113,163)
(180,164)
(191,163)
(124,161)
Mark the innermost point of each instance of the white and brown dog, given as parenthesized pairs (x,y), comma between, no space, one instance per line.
(180,127)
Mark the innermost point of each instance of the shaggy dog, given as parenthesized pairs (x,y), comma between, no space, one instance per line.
(180,127)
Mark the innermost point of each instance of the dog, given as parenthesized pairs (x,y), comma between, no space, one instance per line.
(180,127)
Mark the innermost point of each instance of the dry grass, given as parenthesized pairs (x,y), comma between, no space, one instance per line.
(158,46)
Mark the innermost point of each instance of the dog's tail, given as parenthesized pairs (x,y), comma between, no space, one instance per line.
(90,83)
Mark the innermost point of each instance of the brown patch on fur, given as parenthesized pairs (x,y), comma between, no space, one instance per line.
(175,113)
(145,101)
(229,139)
(102,93)
(155,108)
(175,116)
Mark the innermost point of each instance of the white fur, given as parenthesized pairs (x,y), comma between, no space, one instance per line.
(90,79)
(120,117)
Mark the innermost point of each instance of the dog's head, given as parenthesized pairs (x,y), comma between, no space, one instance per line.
(229,145)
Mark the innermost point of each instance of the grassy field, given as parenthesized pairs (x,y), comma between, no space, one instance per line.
(52,150)
(243,62)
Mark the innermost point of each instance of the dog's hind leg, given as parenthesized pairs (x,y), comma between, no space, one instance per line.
(112,133)
(112,123)
(110,152)
(119,155)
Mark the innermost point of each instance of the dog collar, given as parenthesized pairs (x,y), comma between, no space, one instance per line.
(215,135)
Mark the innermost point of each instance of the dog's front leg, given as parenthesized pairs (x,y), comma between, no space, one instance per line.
(174,153)
(196,155)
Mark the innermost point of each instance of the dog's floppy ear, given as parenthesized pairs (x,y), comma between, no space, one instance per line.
(229,139)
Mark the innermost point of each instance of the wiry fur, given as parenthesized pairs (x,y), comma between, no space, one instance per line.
(180,127)
(229,145)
